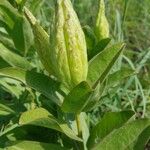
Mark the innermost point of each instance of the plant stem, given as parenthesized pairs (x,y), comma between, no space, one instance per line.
(79,125)
(79,129)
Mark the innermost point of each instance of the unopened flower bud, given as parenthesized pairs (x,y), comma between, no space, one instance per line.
(102,26)
(68,46)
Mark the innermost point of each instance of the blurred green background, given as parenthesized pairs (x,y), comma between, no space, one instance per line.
(129,19)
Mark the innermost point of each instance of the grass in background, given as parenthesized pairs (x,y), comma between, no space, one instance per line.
(130,22)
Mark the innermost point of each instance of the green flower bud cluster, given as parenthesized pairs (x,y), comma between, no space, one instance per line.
(65,54)
(68,46)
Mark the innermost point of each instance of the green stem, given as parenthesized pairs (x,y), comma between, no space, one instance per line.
(79,129)
(79,125)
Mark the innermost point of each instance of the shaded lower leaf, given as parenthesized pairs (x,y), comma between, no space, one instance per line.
(143,138)
(107,124)
(44,85)
(41,117)
(75,101)
(121,138)
(33,145)
(14,59)
(3,63)
(37,81)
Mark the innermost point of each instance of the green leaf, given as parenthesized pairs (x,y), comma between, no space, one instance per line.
(118,76)
(43,84)
(14,59)
(102,63)
(8,129)
(17,26)
(6,41)
(41,117)
(22,34)
(37,81)
(94,98)
(121,138)
(7,8)
(101,45)
(12,86)
(5,110)
(76,100)
(14,73)
(32,115)
(109,122)
(3,63)
(90,38)
(143,139)
(35,5)
(33,145)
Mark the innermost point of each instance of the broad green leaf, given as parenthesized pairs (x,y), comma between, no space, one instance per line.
(121,138)
(17,26)
(43,84)
(14,73)
(143,139)
(102,63)
(41,117)
(37,81)
(109,122)
(117,77)
(5,110)
(101,45)
(76,100)
(33,145)
(14,59)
